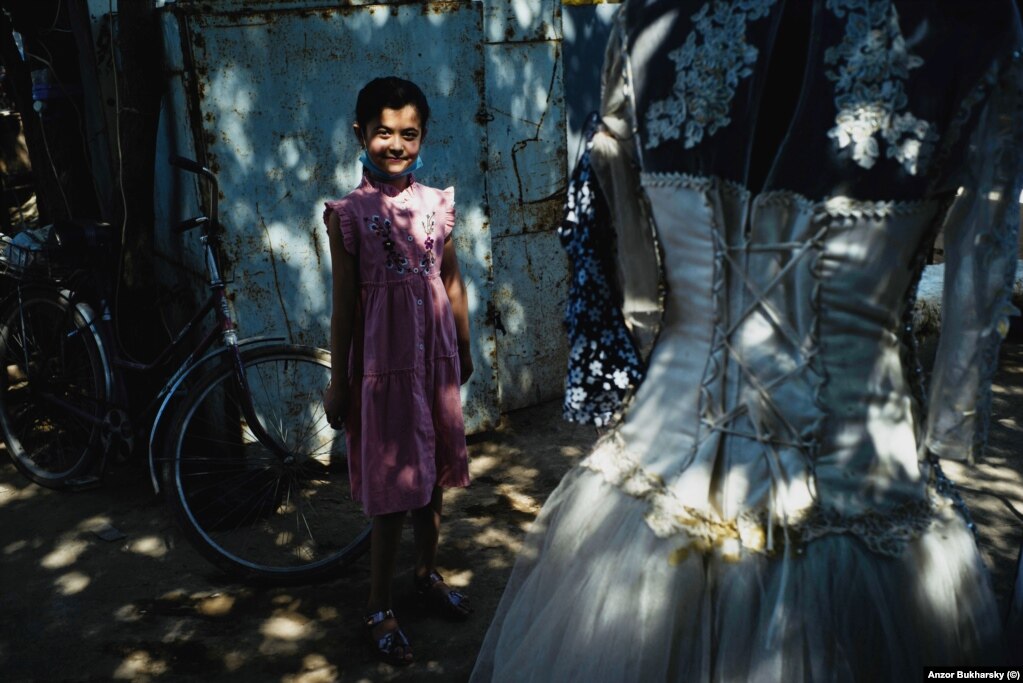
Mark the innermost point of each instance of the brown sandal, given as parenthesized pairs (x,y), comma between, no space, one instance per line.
(393,646)
(450,603)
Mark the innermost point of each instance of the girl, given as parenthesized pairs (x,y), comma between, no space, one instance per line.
(400,320)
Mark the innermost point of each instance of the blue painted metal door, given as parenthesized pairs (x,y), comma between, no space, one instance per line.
(264,92)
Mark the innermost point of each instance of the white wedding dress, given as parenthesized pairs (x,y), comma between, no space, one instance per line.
(769,507)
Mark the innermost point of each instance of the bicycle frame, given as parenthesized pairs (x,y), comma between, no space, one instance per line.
(89,316)
(238,440)
(225,329)
(200,356)
(169,389)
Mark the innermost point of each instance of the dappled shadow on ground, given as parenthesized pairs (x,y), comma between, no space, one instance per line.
(99,586)
(993,488)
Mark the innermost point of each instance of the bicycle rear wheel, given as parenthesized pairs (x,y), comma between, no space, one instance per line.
(54,384)
(243,507)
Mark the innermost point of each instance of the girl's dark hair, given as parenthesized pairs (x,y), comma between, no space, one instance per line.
(393,93)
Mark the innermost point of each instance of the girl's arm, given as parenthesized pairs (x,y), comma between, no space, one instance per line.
(336,397)
(451,276)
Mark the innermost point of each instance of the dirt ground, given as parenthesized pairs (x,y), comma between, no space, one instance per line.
(146,607)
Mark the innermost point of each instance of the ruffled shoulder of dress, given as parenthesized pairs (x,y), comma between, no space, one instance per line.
(349,234)
(335,206)
(448,204)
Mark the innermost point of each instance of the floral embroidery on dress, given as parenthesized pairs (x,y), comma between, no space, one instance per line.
(870,67)
(396,260)
(382,228)
(428,258)
(708,68)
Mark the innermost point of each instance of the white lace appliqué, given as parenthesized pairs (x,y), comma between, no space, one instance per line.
(708,68)
(755,531)
(869,69)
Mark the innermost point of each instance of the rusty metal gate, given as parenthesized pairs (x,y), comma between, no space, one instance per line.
(264,93)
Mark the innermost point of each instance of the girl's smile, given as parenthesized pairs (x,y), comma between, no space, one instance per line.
(392,141)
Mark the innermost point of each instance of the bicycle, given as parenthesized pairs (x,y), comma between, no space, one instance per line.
(238,441)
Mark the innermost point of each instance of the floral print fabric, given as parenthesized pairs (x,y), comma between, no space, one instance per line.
(603,364)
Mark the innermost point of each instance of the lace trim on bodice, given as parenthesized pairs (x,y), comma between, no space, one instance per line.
(844,207)
(870,68)
(708,68)
(698,183)
(759,531)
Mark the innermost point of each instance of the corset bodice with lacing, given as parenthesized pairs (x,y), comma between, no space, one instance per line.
(783,394)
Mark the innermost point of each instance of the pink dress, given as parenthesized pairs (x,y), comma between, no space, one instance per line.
(405,432)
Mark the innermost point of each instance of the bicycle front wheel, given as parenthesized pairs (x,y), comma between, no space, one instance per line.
(54,382)
(251,512)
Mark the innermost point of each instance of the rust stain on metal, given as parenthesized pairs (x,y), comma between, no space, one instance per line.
(521,144)
(530,270)
(273,268)
(554,210)
(316,248)
(483,116)
(442,7)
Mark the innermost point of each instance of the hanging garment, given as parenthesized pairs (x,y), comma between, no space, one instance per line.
(603,360)
(770,507)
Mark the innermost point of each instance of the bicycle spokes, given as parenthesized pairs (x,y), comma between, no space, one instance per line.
(249,507)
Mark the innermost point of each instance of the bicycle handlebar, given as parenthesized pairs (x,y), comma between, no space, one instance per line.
(208,223)
(187,164)
(186,225)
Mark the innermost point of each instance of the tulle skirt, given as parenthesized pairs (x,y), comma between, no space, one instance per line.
(597,596)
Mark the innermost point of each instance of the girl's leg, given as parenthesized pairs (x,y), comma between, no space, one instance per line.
(383,549)
(426,526)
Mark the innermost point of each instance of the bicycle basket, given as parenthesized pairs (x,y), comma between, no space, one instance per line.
(55,250)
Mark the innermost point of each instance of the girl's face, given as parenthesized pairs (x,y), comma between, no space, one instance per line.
(392,139)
